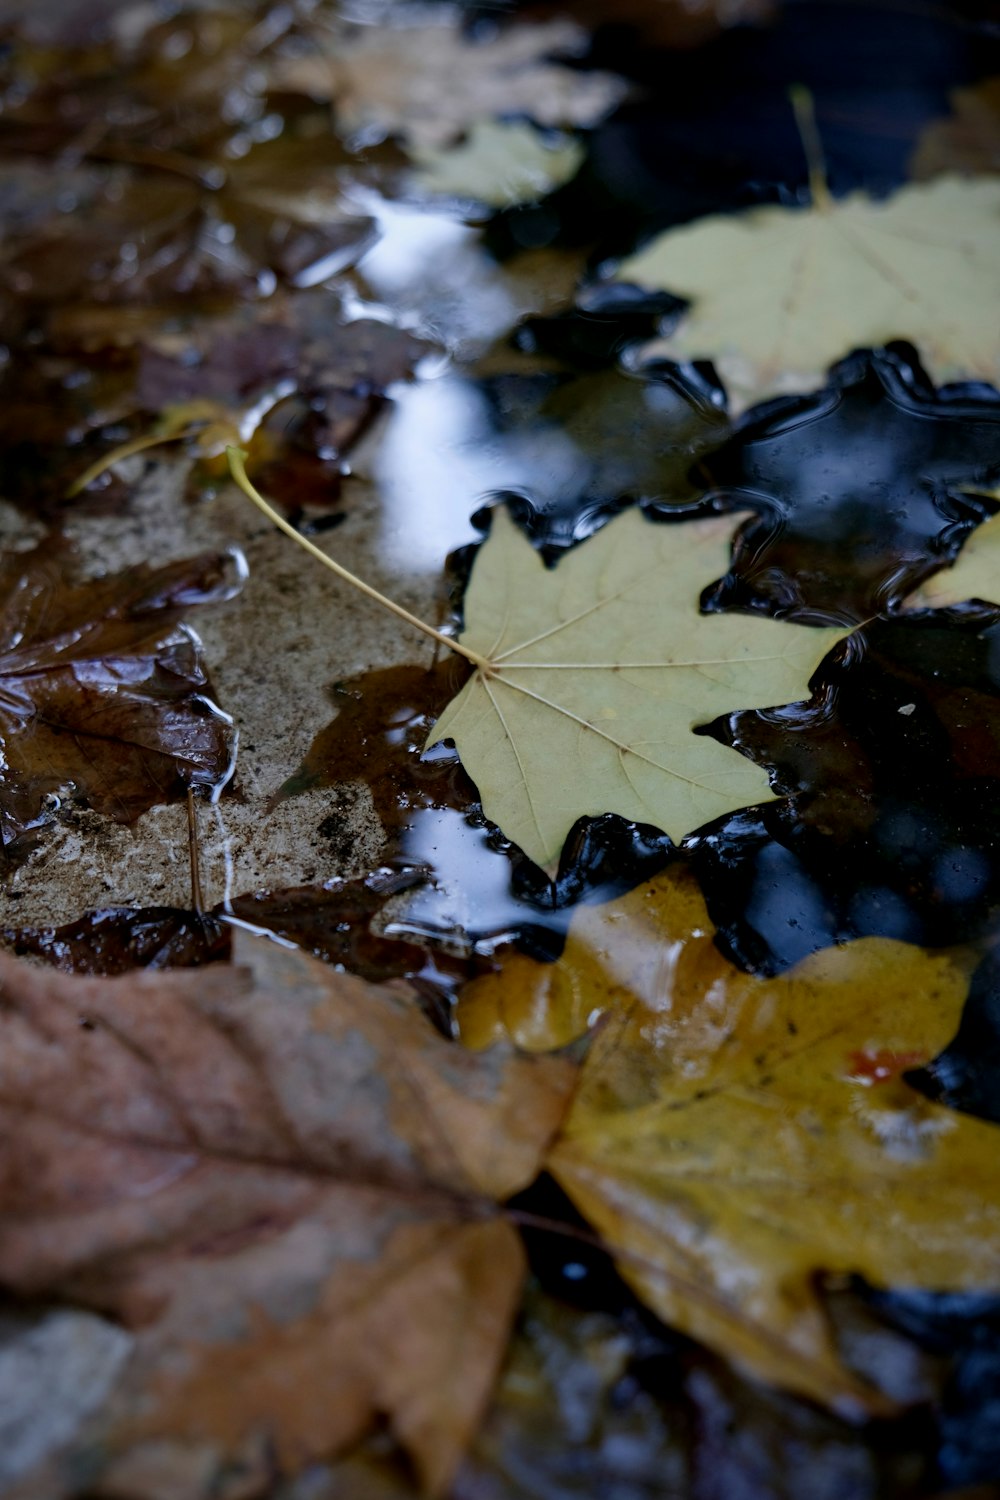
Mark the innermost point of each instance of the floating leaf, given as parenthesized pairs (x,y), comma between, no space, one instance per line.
(115,939)
(498,163)
(591,678)
(103,688)
(283,1182)
(732,1138)
(778,293)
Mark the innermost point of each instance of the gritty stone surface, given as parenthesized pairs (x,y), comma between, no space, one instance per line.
(274,653)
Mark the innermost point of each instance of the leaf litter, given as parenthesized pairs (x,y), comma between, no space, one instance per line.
(597,851)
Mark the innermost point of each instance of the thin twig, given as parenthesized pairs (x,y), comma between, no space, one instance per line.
(197,900)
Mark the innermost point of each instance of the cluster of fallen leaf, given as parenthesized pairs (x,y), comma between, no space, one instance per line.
(274,1203)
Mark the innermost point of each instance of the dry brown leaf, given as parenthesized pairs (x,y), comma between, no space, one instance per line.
(283,1182)
(429,83)
(734,1138)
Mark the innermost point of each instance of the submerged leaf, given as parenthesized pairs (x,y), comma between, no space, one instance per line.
(103,689)
(733,1137)
(283,1182)
(597,672)
(778,294)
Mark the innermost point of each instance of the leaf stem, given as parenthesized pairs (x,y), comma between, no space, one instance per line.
(802,103)
(124,450)
(237,467)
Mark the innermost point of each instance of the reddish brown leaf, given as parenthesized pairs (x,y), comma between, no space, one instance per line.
(102,688)
(283,1181)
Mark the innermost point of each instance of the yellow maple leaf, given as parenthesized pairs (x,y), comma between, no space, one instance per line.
(592,676)
(734,1138)
(778,294)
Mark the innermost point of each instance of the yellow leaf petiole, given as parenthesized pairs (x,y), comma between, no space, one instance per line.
(237,467)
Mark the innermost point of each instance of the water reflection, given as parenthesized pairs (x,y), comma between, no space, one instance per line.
(432,269)
(573,449)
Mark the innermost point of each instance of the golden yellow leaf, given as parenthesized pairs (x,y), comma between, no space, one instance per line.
(734,1138)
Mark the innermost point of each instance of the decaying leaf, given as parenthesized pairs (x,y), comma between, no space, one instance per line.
(734,1137)
(115,939)
(428,82)
(499,163)
(779,294)
(968,140)
(592,677)
(283,1182)
(103,689)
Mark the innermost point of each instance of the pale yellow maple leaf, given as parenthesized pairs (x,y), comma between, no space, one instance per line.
(733,1138)
(590,677)
(779,294)
(594,674)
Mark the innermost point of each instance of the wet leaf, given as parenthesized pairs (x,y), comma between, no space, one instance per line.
(498,163)
(151,238)
(920,265)
(283,1184)
(854,538)
(966,141)
(117,939)
(732,1138)
(596,674)
(103,692)
(428,82)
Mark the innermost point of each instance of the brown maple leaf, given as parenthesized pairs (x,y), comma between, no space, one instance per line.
(283,1182)
(102,688)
